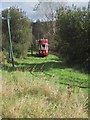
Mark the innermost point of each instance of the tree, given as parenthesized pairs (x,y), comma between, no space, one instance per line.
(46,12)
(20,31)
(72,34)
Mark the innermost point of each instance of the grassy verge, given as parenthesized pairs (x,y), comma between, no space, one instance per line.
(43,87)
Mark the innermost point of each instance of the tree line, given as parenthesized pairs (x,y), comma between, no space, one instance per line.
(72,34)
(67,33)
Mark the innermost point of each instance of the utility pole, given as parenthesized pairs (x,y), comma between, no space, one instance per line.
(10,41)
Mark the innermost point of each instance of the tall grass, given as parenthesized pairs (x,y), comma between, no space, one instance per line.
(27,96)
(43,88)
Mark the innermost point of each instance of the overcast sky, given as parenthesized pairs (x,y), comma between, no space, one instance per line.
(28,6)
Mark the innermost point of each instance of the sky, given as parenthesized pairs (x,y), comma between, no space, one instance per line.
(29,5)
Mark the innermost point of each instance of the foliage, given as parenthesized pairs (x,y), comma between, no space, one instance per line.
(72,34)
(20,31)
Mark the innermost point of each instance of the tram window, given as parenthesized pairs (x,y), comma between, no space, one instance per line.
(46,47)
(43,46)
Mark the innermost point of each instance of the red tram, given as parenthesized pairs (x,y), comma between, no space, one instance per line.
(42,47)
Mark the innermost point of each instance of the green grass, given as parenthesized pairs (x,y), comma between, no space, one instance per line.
(43,87)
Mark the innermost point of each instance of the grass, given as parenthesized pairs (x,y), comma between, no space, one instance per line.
(43,88)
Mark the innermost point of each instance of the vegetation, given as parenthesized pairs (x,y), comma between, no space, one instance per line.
(67,34)
(72,34)
(20,31)
(45,88)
